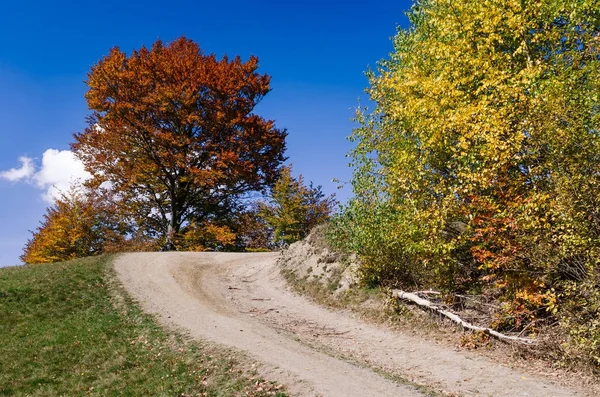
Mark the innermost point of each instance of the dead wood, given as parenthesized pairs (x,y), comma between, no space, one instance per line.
(455,318)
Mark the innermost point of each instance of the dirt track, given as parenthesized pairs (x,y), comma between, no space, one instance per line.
(241,301)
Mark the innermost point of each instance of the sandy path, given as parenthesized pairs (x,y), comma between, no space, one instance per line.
(240,300)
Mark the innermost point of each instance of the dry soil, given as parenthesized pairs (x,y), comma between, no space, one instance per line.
(240,300)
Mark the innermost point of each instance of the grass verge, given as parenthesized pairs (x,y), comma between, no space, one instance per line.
(69,329)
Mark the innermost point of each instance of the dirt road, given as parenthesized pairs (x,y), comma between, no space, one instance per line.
(240,300)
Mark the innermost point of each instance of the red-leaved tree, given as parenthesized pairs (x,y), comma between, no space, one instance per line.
(173,131)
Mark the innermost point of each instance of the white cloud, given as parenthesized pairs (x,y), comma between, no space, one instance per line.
(16,174)
(60,170)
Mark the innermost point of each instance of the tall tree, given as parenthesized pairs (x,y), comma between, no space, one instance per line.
(173,131)
(481,161)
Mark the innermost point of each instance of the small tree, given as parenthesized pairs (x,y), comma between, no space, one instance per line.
(207,236)
(252,231)
(294,209)
(79,224)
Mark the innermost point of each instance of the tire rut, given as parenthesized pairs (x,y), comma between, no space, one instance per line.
(241,300)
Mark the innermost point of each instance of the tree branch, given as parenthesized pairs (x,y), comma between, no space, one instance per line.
(436,309)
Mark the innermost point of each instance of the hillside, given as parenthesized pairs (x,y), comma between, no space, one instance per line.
(69,329)
(312,268)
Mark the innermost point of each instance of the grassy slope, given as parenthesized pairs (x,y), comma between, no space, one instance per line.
(69,329)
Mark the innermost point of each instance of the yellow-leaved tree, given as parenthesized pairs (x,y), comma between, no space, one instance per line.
(480,165)
(294,208)
(80,223)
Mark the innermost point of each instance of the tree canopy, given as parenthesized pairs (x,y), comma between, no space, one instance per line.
(174,133)
(480,164)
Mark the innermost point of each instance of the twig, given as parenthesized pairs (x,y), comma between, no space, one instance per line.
(330,333)
(525,329)
(478,302)
(431,292)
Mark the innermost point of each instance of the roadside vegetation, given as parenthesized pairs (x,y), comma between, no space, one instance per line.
(477,173)
(329,277)
(69,329)
(293,208)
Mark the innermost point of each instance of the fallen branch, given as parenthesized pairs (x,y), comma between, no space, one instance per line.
(428,292)
(434,308)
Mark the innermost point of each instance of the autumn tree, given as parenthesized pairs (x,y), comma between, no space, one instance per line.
(252,231)
(294,208)
(208,236)
(80,223)
(480,164)
(173,131)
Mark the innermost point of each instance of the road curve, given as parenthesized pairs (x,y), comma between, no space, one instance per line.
(240,300)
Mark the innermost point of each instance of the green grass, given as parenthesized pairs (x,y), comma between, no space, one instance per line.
(69,329)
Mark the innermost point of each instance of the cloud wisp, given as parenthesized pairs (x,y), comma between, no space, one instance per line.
(59,170)
(16,174)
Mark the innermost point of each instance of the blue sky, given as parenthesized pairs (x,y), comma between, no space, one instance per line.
(315,51)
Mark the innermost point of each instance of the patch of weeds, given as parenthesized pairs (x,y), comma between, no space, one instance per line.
(475,340)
